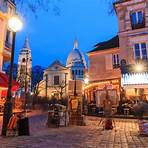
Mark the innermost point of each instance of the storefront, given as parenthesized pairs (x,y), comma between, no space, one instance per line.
(134,81)
(4,79)
(135,85)
(95,92)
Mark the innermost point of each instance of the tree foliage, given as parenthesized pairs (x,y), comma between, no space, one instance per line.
(35,5)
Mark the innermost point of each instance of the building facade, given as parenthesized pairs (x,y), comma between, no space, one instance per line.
(121,63)
(24,67)
(58,78)
(55,81)
(7,9)
(133,36)
(104,72)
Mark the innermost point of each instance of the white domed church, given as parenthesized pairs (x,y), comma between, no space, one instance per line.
(76,63)
(57,75)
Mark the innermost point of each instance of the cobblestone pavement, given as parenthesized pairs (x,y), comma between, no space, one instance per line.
(124,135)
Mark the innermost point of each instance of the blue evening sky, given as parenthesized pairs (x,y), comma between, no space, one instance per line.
(51,37)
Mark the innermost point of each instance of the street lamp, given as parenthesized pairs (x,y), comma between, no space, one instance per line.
(86,81)
(14,24)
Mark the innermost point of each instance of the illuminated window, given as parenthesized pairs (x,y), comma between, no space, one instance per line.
(137,20)
(140,51)
(116,61)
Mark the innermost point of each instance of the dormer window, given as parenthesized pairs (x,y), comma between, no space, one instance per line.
(137,20)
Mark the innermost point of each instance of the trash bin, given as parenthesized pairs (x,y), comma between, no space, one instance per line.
(23,127)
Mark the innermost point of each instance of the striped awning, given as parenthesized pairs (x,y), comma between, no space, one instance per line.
(136,80)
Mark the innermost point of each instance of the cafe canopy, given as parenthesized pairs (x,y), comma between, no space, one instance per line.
(4,79)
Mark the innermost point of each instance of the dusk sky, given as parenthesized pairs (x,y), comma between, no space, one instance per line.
(51,37)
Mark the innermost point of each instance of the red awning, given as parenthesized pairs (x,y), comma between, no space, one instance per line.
(4,79)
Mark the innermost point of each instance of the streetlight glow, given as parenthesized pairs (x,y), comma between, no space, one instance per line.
(86,80)
(15,24)
(139,67)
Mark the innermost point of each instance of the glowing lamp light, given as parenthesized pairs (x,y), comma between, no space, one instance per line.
(138,67)
(15,24)
(86,80)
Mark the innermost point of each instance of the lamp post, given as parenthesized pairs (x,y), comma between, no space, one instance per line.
(86,82)
(26,83)
(14,24)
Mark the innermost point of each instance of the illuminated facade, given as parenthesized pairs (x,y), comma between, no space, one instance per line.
(123,60)
(55,80)
(104,72)
(133,35)
(7,9)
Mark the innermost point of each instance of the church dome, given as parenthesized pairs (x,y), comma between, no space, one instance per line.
(76,57)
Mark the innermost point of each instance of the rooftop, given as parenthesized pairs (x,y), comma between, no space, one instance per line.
(112,43)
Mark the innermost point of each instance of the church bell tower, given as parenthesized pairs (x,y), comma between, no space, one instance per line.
(24,67)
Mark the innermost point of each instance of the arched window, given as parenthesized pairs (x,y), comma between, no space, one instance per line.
(23,60)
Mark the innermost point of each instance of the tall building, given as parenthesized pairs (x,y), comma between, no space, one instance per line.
(24,67)
(133,36)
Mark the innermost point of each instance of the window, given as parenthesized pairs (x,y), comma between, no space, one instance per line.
(7,40)
(23,60)
(56,80)
(116,61)
(75,72)
(79,72)
(137,20)
(140,51)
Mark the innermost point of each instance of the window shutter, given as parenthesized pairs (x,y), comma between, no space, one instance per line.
(108,61)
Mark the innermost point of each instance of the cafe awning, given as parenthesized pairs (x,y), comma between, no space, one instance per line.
(135,80)
(4,79)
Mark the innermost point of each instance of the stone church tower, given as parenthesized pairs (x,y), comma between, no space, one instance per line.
(24,67)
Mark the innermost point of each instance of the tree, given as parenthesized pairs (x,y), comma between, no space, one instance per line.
(60,88)
(35,5)
(7,69)
(36,78)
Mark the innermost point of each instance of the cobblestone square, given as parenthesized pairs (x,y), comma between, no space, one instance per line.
(124,135)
